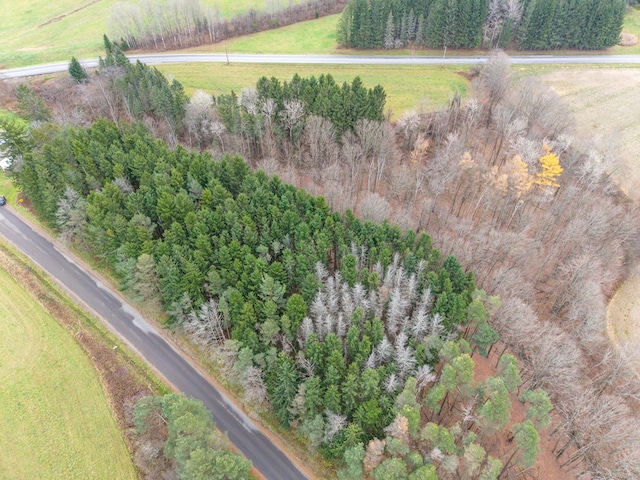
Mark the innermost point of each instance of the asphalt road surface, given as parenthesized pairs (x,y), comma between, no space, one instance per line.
(160,59)
(143,337)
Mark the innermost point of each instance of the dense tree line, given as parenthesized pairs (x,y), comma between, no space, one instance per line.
(325,316)
(585,25)
(395,24)
(142,90)
(285,106)
(167,24)
(182,428)
(528,24)
(279,119)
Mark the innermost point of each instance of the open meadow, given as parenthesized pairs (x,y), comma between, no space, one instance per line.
(55,420)
(407,87)
(623,317)
(41,31)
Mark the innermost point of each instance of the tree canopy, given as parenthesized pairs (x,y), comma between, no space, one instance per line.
(530,24)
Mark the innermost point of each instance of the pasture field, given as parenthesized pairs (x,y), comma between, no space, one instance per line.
(313,37)
(407,87)
(41,31)
(623,317)
(55,420)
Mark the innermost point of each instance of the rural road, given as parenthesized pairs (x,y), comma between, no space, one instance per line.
(160,59)
(123,320)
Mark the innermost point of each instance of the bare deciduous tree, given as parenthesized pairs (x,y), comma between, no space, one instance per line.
(495,78)
(377,140)
(320,137)
(374,207)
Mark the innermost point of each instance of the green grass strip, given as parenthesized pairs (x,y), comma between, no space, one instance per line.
(55,420)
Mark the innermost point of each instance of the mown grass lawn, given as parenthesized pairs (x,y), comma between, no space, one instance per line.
(407,87)
(55,421)
(313,37)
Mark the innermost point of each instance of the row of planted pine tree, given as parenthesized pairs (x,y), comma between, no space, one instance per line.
(525,24)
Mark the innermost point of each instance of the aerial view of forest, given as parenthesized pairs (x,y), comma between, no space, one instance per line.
(392,272)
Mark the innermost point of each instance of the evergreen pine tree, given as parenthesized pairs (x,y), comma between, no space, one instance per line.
(420,33)
(77,72)
(389,33)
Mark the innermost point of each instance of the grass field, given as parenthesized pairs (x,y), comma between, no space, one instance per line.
(312,37)
(55,421)
(407,87)
(623,316)
(26,37)
(603,101)
(41,31)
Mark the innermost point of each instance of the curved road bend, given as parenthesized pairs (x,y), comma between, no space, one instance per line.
(166,58)
(122,319)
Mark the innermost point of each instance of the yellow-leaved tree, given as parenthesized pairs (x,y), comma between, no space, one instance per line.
(550,169)
(520,181)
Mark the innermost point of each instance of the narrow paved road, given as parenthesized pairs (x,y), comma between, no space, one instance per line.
(123,320)
(158,59)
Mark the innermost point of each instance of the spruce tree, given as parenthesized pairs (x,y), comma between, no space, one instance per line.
(77,71)
(390,33)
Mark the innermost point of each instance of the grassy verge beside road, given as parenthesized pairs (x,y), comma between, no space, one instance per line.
(80,382)
(55,420)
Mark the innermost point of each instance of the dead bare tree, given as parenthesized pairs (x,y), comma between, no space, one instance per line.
(494,79)
(378,145)
(199,118)
(320,138)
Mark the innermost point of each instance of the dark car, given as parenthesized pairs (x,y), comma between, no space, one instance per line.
(3,200)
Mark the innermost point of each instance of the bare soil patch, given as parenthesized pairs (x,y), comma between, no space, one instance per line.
(64,15)
(35,49)
(604,102)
